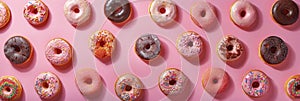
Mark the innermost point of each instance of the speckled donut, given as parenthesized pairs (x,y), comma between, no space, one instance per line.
(147,46)
(230,48)
(102,43)
(172,81)
(36,12)
(47,85)
(5,14)
(10,88)
(273,50)
(129,87)
(59,52)
(189,44)
(292,86)
(255,83)
(215,81)
(18,50)
(117,11)
(285,12)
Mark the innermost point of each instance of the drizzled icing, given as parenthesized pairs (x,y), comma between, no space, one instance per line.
(255,83)
(230,48)
(14,86)
(189,44)
(147,46)
(102,43)
(58,52)
(293,86)
(4,14)
(172,82)
(47,85)
(35,12)
(128,87)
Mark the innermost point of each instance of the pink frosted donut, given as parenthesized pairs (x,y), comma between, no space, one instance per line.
(203,14)
(47,85)
(189,44)
(243,13)
(88,81)
(172,81)
(215,81)
(255,83)
(128,87)
(163,12)
(58,52)
(4,14)
(77,12)
(36,12)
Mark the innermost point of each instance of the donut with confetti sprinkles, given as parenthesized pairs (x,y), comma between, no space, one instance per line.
(36,12)
(292,86)
(255,83)
(10,88)
(59,52)
(4,14)
(47,85)
(129,87)
(172,81)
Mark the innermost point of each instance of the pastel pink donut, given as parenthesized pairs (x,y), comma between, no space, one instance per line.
(255,83)
(163,12)
(36,12)
(203,14)
(58,52)
(77,12)
(4,14)
(88,81)
(47,85)
(243,14)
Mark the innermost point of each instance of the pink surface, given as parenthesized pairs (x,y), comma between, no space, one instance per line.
(125,60)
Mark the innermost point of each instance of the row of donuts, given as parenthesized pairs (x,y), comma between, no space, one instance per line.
(129,87)
(163,12)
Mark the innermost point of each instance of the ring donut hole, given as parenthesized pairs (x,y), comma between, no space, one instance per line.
(88,81)
(297,87)
(16,48)
(33,9)
(57,51)
(75,9)
(190,44)
(172,82)
(215,80)
(45,84)
(128,88)
(203,13)
(229,47)
(243,13)
(162,9)
(273,49)
(147,46)
(255,84)
(7,89)
(286,12)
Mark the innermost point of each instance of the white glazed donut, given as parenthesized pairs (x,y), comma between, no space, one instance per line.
(243,14)
(172,81)
(163,12)
(203,14)
(189,44)
(77,12)
(129,87)
(88,81)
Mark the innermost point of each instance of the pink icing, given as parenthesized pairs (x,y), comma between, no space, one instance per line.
(203,14)
(35,12)
(255,83)
(243,13)
(170,75)
(47,85)
(189,44)
(58,52)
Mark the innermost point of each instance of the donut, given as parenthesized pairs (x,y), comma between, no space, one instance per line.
(129,87)
(58,52)
(88,81)
(163,12)
(117,11)
(273,50)
(147,46)
(189,44)
(172,81)
(36,12)
(102,43)
(47,85)
(10,88)
(77,12)
(5,14)
(255,83)
(18,50)
(203,14)
(230,48)
(292,86)
(243,14)
(215,81)
(285,12)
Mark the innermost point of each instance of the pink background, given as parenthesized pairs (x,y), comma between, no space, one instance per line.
(125,60)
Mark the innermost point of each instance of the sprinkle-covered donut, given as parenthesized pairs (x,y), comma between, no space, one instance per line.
(230,48)
(58,52)
(285,12)
(172,81)
(273,50)
(203,14)
(292,86)
(147,46)
(77,12)
(189,44)
(117,11)
(18,50)
(36,12)
(129,87)
(4,14)
(10,88)
(163,12)
(255,83)
(88,81)
(102,43)
(243,13)
(215,81)
(47,85)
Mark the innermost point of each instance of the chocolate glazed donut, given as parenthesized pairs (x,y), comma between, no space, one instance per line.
(117,10)
(147,46)
(285,12)
(17,49)
(273,50)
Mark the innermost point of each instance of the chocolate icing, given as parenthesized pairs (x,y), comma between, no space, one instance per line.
(147,46)
(285,12)
(273,50)
(17,49)
(117,10)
